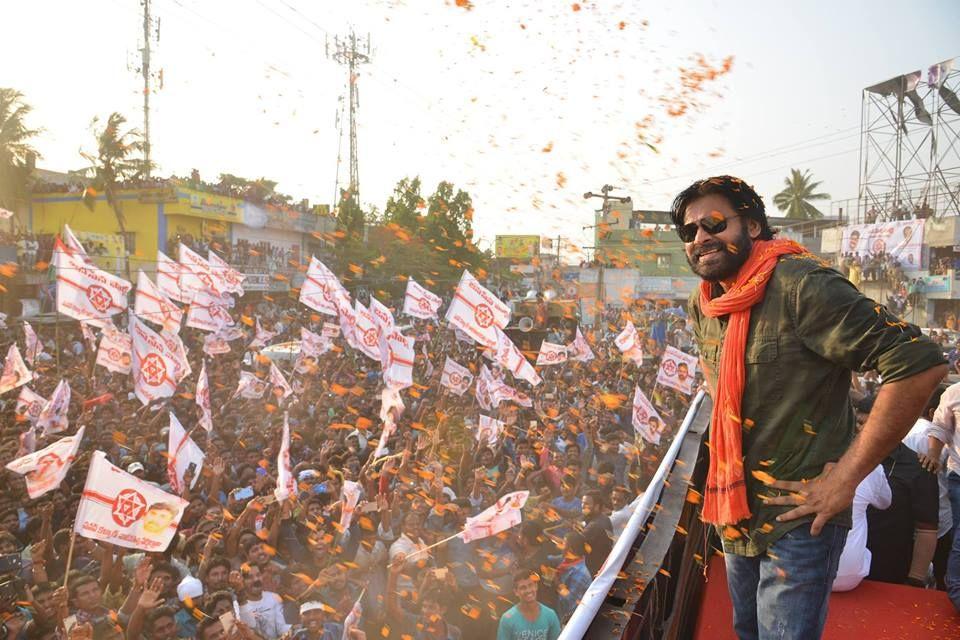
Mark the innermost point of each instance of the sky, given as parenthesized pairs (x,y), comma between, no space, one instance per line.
(525,105)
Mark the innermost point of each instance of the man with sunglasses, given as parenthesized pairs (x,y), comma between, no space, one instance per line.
(779,333)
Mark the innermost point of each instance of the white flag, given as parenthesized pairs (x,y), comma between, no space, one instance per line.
(88,335)
(175,345)
(286,485)
(677,370)
(228,279)
(483,388)
(551,354)
(195,275)
(261,336)
(44,470)
(116,350)
(489,430)
(202,398)
(85,292)
(73,244)
(498,517)
(509,356)
(398,363)
(53,416)
(29,405)
(250,386)
(34,346)
(317,291)
(476,311)
(367,332)
(207,313)
(15,373)
(155,365)
(214,344)
(630,344)
(382,315)
(500,391)
(150,303)
(646,421)
(456,377)
(420,303)
(580,349)
(349,497)
(391,408)
(330,330)
(121,509)
(279,382)
(312,346)
(182,452)
(168,278)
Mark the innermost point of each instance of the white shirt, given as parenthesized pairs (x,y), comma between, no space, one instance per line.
(945,425)
(855,559)
(265,616)
(916,439)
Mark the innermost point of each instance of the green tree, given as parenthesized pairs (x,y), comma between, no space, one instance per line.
(795,198)
(15,147)
(404,206)
(116,159)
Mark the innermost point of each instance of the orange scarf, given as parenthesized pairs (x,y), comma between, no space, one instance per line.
(725,498)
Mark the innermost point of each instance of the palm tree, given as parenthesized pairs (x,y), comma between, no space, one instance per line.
(14,147)
(795,198)
(112,164)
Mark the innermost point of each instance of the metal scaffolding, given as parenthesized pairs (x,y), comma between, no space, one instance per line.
(910,146)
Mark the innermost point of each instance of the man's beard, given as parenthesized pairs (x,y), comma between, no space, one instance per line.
(725,263)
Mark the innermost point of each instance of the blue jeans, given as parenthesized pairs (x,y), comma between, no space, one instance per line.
(953,492)
(953,564)
(782,594)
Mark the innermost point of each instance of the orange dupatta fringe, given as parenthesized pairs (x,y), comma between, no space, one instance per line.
(725,498)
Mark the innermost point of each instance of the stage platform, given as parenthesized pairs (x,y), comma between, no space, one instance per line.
(874,610)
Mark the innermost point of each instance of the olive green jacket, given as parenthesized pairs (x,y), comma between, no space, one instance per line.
(811,329)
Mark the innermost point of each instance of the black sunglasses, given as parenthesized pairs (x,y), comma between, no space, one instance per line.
(710,224)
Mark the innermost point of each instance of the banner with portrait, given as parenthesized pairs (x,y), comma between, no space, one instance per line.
(902,239)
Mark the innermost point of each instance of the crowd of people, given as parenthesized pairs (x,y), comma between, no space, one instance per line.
(876,267)
(261,256)
(919,211)
(243,565)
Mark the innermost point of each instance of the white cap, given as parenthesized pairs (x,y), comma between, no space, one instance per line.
(311,605)
(189,587)
(133,467)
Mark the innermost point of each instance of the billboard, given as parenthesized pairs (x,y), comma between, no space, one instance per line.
(519,247)
(199,204)
(901,239)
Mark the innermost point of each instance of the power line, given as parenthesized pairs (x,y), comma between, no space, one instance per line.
(766,155)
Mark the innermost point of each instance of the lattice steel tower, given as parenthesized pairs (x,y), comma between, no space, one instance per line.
(352,53)
(910,144)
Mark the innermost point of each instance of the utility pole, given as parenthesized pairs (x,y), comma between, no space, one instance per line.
(145,69)
(346,52)
(604,211)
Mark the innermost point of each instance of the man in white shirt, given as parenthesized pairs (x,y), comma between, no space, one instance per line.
(918,439)
(261,610)
(874,490)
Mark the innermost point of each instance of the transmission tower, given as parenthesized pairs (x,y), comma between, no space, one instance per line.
(350,52)
(145,71)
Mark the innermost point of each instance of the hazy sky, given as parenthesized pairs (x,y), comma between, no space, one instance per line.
(524,104)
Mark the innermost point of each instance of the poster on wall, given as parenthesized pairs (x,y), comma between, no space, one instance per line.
(901,239)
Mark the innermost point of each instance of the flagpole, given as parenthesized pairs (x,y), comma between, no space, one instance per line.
(66,574)
(427,548)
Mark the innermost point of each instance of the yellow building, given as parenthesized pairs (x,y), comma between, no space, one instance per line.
(154,219)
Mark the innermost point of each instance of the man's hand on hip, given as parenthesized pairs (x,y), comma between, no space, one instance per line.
(825,496)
